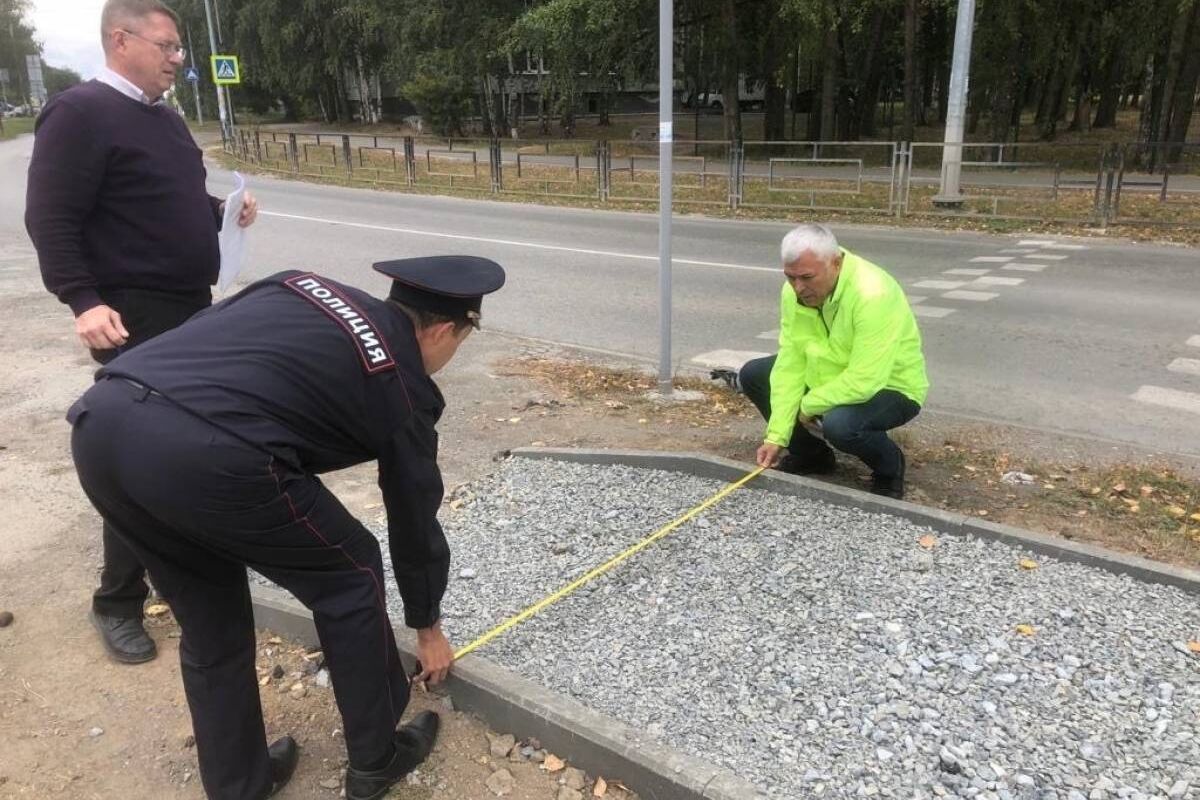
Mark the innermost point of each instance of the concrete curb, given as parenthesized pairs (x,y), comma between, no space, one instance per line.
(601,745)
(949,522)
(587,739)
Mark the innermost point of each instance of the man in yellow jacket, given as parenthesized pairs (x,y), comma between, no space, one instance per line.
(849,366)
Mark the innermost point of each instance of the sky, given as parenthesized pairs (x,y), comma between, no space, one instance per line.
(70,33)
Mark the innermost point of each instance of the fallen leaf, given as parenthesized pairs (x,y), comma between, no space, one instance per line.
(1195,517)
(1146,491)
(264,680)
(615,404)
(601,788)
(274,640)
(1027,563)
(1177,512)
(553,763)
(927,541)
(1133,508)
(1047,485)
(537,444)
(1025,630)
(983,512)
(1119,488)
(157,610)
(1194,647)
(1095,490)
(969,468)
(643,421)
(514,420)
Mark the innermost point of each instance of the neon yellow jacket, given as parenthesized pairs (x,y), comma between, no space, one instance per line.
(862,340)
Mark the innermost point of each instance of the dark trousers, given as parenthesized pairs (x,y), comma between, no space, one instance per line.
(197,506)
(145,314)
(860,430)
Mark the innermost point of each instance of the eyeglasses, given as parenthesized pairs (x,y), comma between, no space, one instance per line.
(168,49)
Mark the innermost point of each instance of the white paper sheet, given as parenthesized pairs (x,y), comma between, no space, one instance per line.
(233,236)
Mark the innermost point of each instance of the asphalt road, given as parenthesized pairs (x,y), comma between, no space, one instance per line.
(1088,337)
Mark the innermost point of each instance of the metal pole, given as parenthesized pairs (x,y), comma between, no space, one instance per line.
(212,49)
(196,85)
(666,96)
(949,193)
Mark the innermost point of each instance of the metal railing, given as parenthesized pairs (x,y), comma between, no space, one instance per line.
(1108,184)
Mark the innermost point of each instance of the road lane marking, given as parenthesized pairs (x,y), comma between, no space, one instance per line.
(1168,398)
(1188,366)
(966,271)
(1194,341)
(976,297)
(1025,267)
(514,243)
(935,312)
(991,259)
(1034,242)
(732,359)
(1065,246)
(1045,257)
(770,335)
(997,280)
(939,284)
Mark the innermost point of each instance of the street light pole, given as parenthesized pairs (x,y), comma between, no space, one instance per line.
(212,49)
(195,84)
(666,111)
(949,193)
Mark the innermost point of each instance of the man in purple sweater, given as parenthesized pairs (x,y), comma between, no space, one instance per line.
(126,233)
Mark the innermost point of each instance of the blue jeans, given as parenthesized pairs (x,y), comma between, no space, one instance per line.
(860,430)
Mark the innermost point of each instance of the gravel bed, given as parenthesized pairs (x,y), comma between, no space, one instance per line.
(820,651)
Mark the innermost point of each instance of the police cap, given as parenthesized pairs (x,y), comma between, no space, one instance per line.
(452,286)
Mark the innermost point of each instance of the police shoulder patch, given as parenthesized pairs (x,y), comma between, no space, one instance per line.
(368,341)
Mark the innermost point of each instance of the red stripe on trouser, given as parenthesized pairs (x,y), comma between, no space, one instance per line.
(379,596)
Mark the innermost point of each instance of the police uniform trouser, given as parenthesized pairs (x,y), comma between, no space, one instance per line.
(197,505)
(145,314)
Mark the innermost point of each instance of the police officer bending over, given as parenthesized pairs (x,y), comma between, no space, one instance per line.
(232,417)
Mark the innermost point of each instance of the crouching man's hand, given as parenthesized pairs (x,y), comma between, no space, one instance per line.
(435,654)
(768,455)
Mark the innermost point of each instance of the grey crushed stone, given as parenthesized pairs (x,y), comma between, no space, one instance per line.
(817,651)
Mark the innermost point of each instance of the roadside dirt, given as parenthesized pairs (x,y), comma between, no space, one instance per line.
(57,689)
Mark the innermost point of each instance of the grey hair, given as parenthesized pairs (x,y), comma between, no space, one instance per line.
(121,12)
(812,237)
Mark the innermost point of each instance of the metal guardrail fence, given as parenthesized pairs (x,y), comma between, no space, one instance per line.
(1099,184)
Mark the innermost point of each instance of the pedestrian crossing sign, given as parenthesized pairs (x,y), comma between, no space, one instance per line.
(225,70)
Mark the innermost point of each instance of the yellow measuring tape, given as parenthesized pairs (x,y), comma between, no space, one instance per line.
(549,600)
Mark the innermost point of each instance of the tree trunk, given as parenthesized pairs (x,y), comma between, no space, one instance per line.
(730,72)
(870,75)
(774,94)
(1182,100)
(829,83)
(1111,85)
(1148,125)
(910,68)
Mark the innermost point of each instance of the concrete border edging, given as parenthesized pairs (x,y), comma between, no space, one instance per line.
(598,744)
(950,522)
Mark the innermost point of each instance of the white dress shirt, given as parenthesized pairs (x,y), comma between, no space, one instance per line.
(125,86)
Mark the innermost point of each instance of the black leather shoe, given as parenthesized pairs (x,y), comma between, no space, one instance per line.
(284,753)
(412,744)
(823,464)
(125,639)
(890,486)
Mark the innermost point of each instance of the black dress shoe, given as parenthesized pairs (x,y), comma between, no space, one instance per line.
(823,464)
(412,744)
(124,638)
(284,753)
(892,486)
